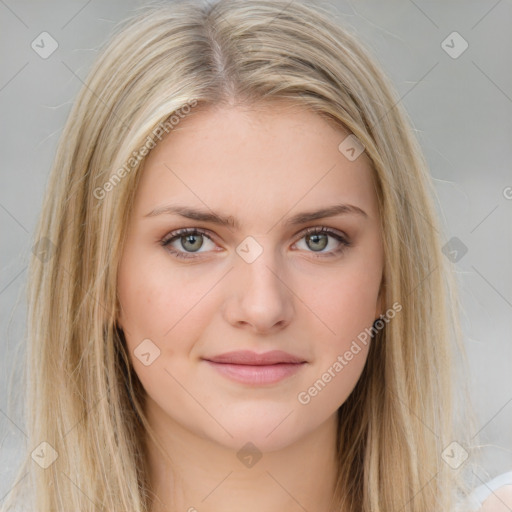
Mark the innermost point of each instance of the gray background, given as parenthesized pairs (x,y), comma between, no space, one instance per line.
(460,107)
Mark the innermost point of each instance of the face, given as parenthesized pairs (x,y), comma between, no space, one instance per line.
(253,271)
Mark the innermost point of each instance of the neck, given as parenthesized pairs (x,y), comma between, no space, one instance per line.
(196,474)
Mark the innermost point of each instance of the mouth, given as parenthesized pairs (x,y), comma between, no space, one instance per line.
(256,369)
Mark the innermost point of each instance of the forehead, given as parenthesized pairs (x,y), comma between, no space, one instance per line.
(257,159)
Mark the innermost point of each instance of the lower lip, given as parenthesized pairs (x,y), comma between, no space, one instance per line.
(265,374)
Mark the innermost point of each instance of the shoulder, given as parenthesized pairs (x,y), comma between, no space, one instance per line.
(499,500)
(496,495)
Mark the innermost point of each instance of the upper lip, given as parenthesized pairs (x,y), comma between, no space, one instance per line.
(252,358)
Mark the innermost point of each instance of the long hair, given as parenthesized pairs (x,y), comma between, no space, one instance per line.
(84,400)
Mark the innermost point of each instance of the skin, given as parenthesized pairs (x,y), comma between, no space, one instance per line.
(499,501)
(259,166)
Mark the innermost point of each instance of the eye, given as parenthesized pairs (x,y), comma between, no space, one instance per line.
(317,239)
(190,239)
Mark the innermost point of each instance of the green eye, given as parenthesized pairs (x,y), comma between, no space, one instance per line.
(317,239)
(191,240)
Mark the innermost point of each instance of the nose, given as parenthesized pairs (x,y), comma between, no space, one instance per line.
(257,296)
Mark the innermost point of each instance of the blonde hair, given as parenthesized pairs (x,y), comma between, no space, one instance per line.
(84,398)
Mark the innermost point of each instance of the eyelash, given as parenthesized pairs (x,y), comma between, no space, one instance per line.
(170,237)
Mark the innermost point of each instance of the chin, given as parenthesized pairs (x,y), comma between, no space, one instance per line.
(248,439)
(267,431)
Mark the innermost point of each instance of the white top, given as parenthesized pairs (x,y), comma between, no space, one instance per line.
(482,492)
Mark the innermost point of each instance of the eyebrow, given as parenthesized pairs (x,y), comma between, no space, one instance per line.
(222,220)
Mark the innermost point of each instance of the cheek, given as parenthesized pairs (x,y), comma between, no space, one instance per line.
(346,308)
(140,296)
(139,299)
(159,304)
(347,303)
(151,310)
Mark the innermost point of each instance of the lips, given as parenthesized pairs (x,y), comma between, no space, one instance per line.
(246,357)
(250,368)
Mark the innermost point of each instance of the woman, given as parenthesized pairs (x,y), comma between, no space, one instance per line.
(243,303)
